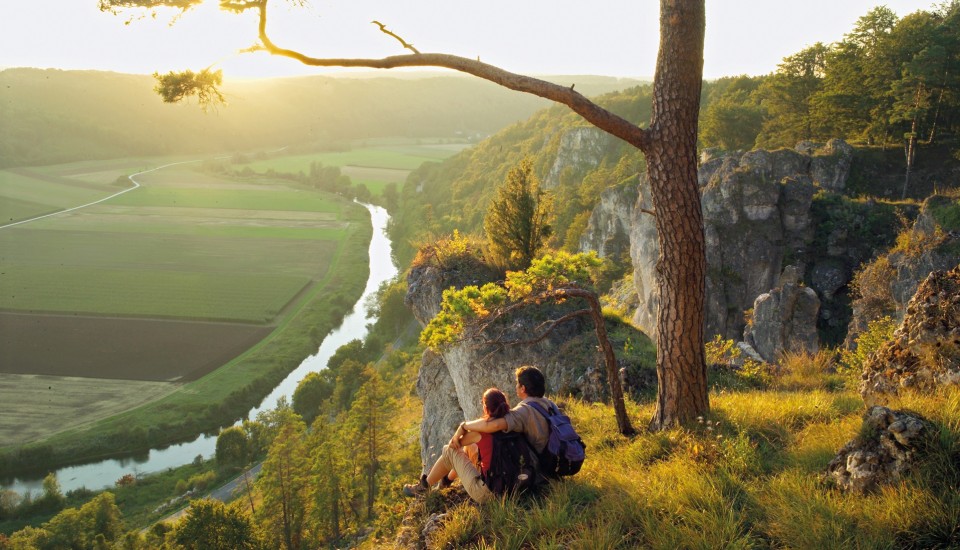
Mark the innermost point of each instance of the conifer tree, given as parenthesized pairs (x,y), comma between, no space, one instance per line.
(327,471)
(284,485)
(516,221)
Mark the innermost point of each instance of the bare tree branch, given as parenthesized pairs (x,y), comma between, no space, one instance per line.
(550,325)
(404,43)
(593,113)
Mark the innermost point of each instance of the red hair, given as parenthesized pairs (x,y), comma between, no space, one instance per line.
(495,404)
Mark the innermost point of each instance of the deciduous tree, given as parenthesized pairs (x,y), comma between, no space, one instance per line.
(788,96)
(233,447)
(311,393)
(669,143)
(212,525)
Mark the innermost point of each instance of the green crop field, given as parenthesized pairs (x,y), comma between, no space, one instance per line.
(246,297)
(24,196)
(65,402)
(375,166)
(308,201)
(207,253)
(30,246)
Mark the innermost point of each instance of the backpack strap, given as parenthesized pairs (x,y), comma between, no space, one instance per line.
(539,408)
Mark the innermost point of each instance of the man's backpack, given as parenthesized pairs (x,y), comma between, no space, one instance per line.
(565,451)
(512,468)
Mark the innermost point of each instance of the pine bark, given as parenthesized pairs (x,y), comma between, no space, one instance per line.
(672,170)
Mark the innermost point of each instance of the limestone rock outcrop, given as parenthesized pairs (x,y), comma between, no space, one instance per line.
(925,349)
(894,278)
(756,208)
(441,406)
(784,320)
(451,383)
(890,445)
(608,231)
(580,149)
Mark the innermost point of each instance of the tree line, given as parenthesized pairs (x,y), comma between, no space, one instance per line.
(890,81)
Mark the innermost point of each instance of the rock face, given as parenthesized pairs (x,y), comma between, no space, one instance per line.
(925,350)
(608,231)
(756,208)
(784,319)
(580,149)
(905,269)
(440,405)
(882,456)
(830,165)
(451,384)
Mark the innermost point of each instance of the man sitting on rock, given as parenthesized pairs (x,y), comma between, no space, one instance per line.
(522,418)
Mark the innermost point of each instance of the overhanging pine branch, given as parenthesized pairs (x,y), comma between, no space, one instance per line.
(593,113)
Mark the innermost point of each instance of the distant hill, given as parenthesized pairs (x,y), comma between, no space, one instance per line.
(52,116)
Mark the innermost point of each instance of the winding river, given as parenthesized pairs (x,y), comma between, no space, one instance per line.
(98,475)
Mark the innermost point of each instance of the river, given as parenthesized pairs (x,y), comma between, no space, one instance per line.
(102,474)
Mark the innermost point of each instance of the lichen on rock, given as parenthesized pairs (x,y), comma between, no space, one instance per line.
(924,352)
(888,447)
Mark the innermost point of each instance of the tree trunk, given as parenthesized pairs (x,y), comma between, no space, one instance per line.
(936,112)
(909,153)
(672,169)
(909,148)
(610,360)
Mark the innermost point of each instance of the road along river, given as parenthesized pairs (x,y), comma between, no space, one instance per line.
(98,475)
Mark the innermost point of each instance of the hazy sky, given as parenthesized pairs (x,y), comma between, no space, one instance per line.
(605,37)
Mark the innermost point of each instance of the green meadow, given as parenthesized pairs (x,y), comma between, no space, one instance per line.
(374,166)
(227,198)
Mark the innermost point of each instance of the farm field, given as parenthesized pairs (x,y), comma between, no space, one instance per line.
(137,349)
(37,405)
(192,295)
(374,166)
(161,285)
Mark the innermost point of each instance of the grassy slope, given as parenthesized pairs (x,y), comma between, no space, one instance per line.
(749,476)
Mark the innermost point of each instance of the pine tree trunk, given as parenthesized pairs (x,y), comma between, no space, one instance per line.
(672,170)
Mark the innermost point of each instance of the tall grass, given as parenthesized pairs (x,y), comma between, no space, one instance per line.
(750,475)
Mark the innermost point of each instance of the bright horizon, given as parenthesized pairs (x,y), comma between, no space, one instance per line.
(559,37)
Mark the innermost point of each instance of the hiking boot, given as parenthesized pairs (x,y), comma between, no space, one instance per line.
(418,488)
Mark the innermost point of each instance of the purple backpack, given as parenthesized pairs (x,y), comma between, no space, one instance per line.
(565,451)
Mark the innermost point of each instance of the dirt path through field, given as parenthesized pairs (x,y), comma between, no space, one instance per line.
(136,185)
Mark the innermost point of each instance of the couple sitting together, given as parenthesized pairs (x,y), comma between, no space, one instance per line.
(469,452)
